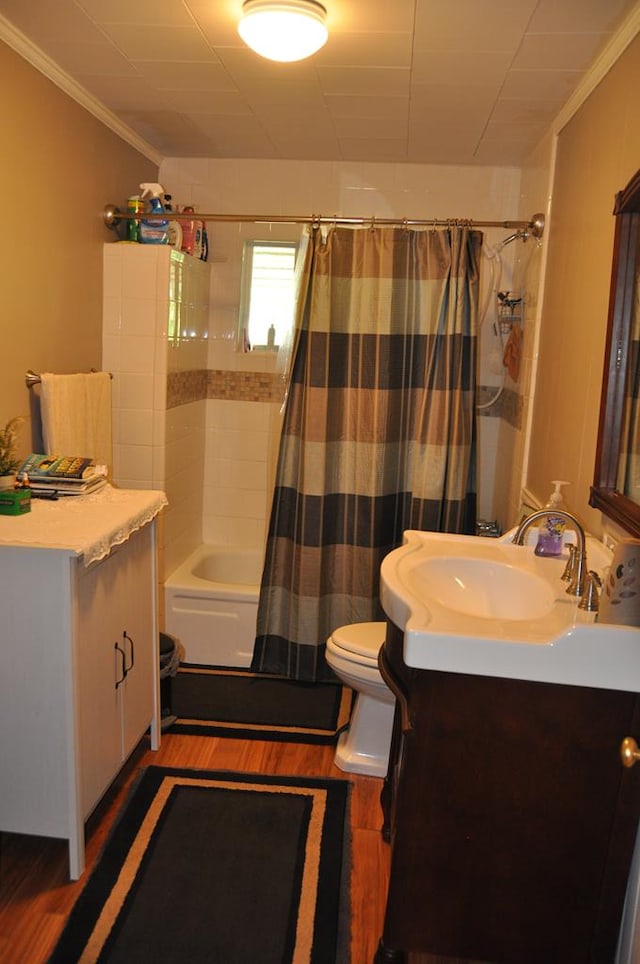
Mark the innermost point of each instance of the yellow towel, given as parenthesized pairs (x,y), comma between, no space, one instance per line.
(76,415)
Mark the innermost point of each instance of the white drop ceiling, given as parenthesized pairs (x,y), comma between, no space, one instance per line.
(426,81)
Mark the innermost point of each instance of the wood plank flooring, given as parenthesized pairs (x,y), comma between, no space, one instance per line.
(36,895)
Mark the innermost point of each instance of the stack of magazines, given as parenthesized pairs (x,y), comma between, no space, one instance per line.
(62,475)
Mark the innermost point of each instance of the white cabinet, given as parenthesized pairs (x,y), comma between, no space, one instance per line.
(115,661)
(79,683)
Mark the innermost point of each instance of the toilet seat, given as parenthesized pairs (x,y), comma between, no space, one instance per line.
(352,653)
(360,640)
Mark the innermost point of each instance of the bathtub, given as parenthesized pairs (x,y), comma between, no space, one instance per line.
(211,604)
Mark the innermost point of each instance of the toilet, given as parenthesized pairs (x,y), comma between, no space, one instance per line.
(352,653)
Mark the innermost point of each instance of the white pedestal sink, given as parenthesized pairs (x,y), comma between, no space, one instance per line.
(488,607)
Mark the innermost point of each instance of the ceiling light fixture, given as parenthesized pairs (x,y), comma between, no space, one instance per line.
(284,31)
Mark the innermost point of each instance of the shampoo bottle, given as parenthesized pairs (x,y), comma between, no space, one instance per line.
(134,206)
(191,233)
(551,531)
(157,230)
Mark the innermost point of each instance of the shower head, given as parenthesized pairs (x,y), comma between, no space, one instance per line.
(534,230)
(514,237)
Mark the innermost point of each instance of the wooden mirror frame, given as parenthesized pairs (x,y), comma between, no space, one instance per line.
(604,495)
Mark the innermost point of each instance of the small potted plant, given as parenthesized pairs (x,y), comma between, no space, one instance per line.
(9,461)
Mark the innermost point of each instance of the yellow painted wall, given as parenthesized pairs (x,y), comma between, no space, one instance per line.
(58,167)
(597,153)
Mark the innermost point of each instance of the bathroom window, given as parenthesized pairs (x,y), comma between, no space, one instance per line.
(267,293)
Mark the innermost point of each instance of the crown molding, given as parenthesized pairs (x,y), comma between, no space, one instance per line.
(15,39)
(601,66)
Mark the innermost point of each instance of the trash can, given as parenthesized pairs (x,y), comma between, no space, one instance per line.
(169,663)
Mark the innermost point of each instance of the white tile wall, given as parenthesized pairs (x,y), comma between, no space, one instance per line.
(155,448)
(236,494)
(240,436)
(487,461)
(291,187)
(184,478)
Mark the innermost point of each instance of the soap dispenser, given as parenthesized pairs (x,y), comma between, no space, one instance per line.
(551,531)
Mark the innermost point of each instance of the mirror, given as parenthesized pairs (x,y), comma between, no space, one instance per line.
(616,487)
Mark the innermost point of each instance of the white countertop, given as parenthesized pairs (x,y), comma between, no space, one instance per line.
(85,525)
(555,643)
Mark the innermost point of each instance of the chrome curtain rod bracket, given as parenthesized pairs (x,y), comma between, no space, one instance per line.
(535,225)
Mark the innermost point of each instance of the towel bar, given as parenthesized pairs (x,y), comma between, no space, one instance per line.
(32,379)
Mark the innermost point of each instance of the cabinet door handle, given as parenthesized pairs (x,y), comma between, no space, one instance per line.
(629,752)
(124,665)
(125,638)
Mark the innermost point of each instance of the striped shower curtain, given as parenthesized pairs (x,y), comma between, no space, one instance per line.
(378,433)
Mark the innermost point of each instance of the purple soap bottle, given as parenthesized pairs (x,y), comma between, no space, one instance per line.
(551,532)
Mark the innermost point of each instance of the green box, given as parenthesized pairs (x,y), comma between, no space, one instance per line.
(15,501)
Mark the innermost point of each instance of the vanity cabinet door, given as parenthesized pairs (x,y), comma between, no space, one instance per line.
(139,646)
(514,821)
(37,779)
(97,632)
(114,653)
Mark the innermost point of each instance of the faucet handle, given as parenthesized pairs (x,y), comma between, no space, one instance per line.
(590,600)
(578,573)
(569,569)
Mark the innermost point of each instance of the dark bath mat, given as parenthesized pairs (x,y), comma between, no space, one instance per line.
(213,866)
(234,703)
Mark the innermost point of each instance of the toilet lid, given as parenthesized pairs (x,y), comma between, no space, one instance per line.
(363,639)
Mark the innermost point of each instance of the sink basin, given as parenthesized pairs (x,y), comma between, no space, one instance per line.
(487,607)
(483,587)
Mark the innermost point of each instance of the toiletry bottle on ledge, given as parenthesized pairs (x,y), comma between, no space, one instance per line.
(551,530)
(157,230)
(191,233)
(134,206)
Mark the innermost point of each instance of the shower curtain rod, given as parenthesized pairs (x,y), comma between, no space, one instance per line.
(112,217)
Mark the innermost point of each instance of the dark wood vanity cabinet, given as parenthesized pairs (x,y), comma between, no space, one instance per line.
(510,817)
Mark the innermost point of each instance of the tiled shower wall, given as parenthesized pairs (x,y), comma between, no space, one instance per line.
(198,417)
(503,417)
(242,432)
(155,337)
(242,411)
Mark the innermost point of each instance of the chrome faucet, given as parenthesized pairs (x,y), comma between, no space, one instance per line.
(578,559)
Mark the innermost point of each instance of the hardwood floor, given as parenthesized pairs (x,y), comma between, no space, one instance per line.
(36,895)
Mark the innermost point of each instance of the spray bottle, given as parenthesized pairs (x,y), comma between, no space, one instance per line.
(551,531)
(156,231)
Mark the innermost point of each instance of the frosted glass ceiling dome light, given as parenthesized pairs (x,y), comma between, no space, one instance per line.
(285,31)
